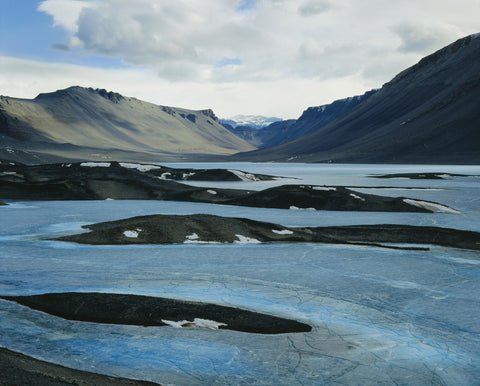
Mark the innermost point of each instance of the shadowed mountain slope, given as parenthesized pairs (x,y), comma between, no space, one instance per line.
(312,119)
(82,121)
(429,113)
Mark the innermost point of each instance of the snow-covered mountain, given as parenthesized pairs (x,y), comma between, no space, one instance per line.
(255,121)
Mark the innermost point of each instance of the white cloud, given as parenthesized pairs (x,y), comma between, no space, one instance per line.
(314,7)
(65,13)
(415,38)
(242,53)
(285,98)
(184,40)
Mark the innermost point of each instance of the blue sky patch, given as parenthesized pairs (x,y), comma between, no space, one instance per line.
(228,62)
(27,33)
(247,5)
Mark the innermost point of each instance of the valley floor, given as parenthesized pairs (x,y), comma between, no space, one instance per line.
(378,315)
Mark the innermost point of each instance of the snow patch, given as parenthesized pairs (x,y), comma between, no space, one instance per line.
(186,175)
(96,164)
(139,167)
(282,232)
(132,234)
(213,192)
(246,240)
(165,176)
(243,176)
(357,197)
(297,208)
(197,323)
(323,188)
(195,239)
(437,208)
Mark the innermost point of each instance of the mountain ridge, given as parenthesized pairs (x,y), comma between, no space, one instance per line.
(96,119)
(428,113)
(287,130)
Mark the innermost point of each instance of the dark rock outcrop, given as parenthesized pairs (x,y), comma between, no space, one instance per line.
(203,228)
(324,198)
(19,369)
(154,311)
(100,181)
(210,114)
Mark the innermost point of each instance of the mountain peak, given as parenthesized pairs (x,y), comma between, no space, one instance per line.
(255,121)
(81,91)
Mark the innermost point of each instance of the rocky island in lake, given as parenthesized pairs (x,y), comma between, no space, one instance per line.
(210,229)
(113,180)
(155,311)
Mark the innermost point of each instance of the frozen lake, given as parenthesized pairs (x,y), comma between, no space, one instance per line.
(378,316)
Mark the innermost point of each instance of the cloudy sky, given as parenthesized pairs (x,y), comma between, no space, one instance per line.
(268,57)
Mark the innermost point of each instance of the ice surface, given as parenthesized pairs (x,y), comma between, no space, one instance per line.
(379,316)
